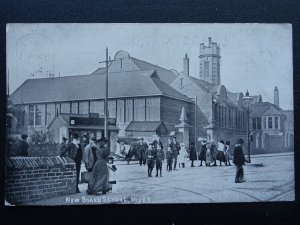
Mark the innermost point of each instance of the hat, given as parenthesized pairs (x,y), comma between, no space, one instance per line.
(75,135)
(24,136)
(142,139)
(239,141)
(151,144)
(93,139)
(63,138)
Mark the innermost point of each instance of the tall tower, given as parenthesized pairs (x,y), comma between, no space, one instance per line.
(276,96)
(186,65)
(210,62)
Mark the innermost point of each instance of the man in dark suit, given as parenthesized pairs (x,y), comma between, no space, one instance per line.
(239,161)
(63,147)
(75,153)
(21,147)
(175,148)
(141,151)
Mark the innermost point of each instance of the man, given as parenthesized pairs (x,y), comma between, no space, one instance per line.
(239,161)
(63,147)
(141,151)
(175,147)
(75,153)
(21,147)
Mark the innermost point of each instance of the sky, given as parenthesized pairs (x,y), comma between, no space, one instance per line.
(256,57)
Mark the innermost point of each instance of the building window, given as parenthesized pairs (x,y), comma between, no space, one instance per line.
(39,110)
(152,109)
(270,122)
(84,107)
(97,107)
(139,109)
(206,69)
(120,111)
(129,110)
(65,107)
(264,122)
(258,120)
(276,122)
(50,113)
(112,107)
(74,107)
(254,123)
(31,115)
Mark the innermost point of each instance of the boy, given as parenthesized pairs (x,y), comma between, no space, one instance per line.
(239,161)
(160,157)
(151,156)
(169,156)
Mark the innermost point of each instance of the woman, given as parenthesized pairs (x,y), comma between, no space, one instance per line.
(193,154)
(208,160)
(202,155)
(227,153)
(99,180)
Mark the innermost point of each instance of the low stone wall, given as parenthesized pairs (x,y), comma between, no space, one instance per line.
(30,179)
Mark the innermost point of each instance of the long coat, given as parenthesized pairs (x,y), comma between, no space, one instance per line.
(202,155)
(88,156)
(238,156)
(75,153)
(160,156)
(193,155)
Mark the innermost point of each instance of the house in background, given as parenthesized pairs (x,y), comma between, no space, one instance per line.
(272,128)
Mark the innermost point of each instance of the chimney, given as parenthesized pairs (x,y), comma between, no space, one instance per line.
(209,41)
(186,65)
(276,96)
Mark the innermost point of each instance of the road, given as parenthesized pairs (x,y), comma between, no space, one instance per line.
(274,181)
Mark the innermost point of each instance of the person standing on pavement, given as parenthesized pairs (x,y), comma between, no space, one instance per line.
(90,155)
(63,147)
(183,154)
(22,146)
(169,156)
(175,147)
(75,153)
(209,157)
(227,153)
(193,154)
(213,152)
(141,151)
(202,155)
(239,161)
(151,157)
(160,157)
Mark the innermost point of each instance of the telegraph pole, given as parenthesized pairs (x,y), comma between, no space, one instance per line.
(106,98)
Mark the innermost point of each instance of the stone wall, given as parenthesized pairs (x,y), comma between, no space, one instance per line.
(30,179)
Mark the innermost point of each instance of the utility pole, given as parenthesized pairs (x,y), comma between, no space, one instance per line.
(106,98)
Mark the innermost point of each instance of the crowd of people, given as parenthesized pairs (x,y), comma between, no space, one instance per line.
(153,154)
(95,155)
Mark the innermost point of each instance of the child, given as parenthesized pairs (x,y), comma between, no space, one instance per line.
(169,156)
(160,156)
(151,156)
(227,153)
(183,154)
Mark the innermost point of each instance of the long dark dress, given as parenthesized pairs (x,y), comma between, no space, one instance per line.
(202,155)
(99,180)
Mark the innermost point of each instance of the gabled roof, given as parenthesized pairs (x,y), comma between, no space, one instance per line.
(165,75)
(264,108)
(144,126)
(132,64)
(88,87)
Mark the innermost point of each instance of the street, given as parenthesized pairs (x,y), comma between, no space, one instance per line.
(267,178)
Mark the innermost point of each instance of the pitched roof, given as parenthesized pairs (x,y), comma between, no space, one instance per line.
(165,75)
(203,84)
(264,108)
(144,126)
(88,87)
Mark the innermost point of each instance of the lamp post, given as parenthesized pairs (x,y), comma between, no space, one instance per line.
(247,100)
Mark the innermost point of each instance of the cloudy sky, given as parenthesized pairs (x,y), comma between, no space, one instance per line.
(256,57)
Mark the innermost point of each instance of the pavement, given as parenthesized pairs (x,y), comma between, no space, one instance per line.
(267,178)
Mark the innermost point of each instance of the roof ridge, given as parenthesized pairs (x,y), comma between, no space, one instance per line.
(150,64)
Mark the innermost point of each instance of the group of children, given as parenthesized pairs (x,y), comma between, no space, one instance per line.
(209,153)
